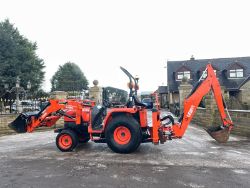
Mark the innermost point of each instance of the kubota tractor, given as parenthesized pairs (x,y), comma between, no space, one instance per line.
(124,129)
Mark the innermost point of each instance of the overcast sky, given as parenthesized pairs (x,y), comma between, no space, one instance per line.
(140,35)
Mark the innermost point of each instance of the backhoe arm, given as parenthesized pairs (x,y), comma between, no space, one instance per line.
(193,100)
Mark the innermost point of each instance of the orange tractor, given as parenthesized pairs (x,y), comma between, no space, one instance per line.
(124,129)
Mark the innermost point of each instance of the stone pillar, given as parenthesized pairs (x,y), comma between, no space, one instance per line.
(58,95)
(95,93)
(211,108)
(184,90)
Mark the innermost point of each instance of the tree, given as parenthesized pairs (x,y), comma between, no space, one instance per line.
(69,77)
(18,58)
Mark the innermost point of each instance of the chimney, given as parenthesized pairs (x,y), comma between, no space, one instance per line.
(192,57)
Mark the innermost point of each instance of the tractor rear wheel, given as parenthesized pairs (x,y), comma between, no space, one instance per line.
(66,140)
(123,134)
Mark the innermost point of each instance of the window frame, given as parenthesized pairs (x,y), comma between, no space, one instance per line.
(236,73)
(185,73)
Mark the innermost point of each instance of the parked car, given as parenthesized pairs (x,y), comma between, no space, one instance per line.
(26,106)
(148,102)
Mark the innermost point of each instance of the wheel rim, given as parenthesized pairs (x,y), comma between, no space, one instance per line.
(122,135)
(65,141)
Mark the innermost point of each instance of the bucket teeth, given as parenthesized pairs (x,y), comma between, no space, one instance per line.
(220,134)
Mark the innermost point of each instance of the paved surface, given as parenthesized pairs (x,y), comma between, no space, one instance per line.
(196,161)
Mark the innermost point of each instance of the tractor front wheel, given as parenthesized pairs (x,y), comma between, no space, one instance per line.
(123,134)
(66,140)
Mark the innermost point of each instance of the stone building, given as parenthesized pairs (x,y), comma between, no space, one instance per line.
(233,75)
(163,96)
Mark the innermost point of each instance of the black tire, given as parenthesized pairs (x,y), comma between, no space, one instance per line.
(66,140)
(133,129)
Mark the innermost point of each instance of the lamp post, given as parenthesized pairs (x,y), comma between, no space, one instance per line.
(28,85)
(28,88)
(18,107)
(18,89)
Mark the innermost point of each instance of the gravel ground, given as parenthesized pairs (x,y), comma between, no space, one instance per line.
(196,161)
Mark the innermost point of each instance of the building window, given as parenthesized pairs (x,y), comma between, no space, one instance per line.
(205,74)
(236,73)
(180,75)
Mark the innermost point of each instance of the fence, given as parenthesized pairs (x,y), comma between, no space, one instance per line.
(11,106)
(9,111)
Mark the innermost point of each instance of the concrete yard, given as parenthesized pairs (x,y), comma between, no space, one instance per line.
(196,161)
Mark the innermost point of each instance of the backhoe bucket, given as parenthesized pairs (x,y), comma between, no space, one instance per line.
(20,123)
(220,134)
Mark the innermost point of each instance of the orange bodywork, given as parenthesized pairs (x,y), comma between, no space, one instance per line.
(192,102)
(79,112)
(52,114)
(143,118)
(156,125)
(108,117)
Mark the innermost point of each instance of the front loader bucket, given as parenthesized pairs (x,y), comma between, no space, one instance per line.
(220,134)
(20,123)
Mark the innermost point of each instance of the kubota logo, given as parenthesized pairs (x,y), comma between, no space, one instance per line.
(191,110)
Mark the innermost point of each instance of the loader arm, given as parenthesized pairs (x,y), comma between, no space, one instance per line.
(47,117)
(58,109)
(192,102)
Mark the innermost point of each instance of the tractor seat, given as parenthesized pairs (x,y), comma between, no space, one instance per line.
(97,117)
(137,102)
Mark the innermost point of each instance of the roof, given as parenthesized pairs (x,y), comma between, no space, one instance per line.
(146,92)
(222,65)
(245,81)
(163,89)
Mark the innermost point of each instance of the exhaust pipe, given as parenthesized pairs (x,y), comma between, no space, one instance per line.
(220,133)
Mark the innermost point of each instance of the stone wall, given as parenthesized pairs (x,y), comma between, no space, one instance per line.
(6,119)
(210,116)
(241,119)
(244,95)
